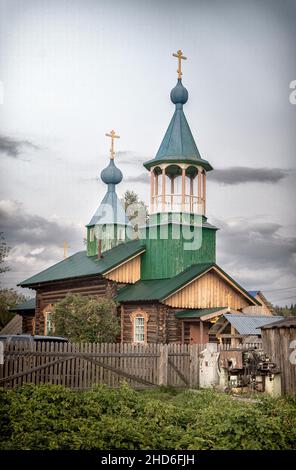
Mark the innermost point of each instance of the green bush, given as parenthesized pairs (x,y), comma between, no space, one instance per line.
(86,319)
(53,417)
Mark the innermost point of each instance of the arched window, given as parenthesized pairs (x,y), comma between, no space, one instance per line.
(139,320)
(48,321)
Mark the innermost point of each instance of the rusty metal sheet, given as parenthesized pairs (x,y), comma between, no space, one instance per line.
(231,359)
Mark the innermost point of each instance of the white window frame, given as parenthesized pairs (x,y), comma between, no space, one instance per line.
(139,328)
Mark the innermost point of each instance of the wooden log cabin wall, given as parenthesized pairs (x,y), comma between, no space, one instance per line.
(162,325)
(56,291)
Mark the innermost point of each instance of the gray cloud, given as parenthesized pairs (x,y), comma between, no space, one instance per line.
(141,178)
(256,254)
(129,157)
(14,147)
(36,242)
(240,175)
(232,175)
(21,227)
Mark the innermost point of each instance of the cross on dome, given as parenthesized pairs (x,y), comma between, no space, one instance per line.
(113,136)
(180,57)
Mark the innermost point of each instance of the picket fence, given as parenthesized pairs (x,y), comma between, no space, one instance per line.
(80,366)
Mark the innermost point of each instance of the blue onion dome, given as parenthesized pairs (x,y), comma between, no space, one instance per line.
(111,174)
(179,94)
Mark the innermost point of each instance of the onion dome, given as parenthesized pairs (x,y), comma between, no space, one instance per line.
(179,94)
(111,174)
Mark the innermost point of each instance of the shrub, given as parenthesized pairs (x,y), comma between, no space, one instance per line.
(53,417)
(86,319)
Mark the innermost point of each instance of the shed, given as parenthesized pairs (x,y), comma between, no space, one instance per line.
(237,328)
(279,343)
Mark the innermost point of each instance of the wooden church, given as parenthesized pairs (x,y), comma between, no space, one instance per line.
(165,280)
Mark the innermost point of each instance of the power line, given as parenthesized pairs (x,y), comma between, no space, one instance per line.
(285,298)
(276,290)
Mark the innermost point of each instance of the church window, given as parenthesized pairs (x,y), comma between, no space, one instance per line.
(91,234)
(48,320)
(48,323)
(139,331)
(139,320)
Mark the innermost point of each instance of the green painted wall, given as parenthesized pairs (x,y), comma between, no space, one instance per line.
(110,236)
(166,254)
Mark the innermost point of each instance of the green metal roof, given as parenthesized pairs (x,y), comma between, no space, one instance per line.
(27,305)
(197,313)
(160,289)
(79,264)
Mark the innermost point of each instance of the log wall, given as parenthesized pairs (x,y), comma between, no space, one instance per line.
(56,291)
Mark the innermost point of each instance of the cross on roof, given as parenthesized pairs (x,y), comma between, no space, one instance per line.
(113,136)
(180,56)
(66,246)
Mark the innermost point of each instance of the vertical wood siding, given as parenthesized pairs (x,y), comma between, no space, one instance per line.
(208,291)
(129,272)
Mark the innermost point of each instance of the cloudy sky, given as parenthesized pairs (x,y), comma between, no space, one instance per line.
(72,70)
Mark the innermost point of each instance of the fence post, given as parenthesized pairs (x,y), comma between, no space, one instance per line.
(163,365)
(194,365)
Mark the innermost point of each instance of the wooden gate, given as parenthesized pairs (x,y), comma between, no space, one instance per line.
(80,366)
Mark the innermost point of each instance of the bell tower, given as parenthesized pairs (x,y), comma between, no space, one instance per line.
(178,232)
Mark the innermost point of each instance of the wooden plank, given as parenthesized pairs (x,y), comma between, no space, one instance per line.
(163,365)
(178,372)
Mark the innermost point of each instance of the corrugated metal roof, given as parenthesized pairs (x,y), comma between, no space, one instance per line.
(27,305)
(80,264)
(253,293)
(197,313)
(288,322)
(249,324)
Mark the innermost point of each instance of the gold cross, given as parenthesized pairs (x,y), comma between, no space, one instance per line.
(113,136)
(66,246)
(180,56)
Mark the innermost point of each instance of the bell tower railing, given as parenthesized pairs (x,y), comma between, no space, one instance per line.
(190,196)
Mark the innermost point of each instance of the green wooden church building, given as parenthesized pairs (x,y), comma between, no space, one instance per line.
(164,277)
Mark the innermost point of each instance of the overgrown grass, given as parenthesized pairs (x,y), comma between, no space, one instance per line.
(53,417)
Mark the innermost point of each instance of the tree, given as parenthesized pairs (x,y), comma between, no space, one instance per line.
(85,319)
(9,298)
(4,251)
(135,209)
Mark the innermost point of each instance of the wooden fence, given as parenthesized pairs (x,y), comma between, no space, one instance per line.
(80,366)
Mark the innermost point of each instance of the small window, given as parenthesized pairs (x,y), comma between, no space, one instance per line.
(139,320)
(48,323)
(139,330)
